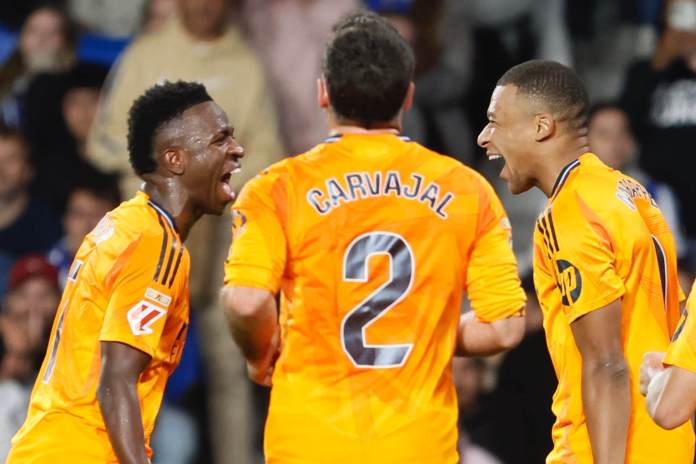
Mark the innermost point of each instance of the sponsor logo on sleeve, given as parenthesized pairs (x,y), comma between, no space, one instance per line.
(158,297)
(142,316)
(569,282)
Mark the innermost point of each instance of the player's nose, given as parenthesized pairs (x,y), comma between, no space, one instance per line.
(484,137)
(235,150)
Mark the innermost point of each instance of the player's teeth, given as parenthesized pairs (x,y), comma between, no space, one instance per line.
(236,170)
(494,157)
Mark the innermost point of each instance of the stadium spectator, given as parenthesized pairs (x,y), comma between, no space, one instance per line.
(46,44)
(25,320)
(660,97)
(610,137)
(289,36)
(60,110)
(598,243)
(200,44)
(155,15)
(26,224)
(86,206)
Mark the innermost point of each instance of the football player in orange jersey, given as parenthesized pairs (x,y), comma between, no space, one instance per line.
(604,269)
(668,380)
(121,324)
(371,240)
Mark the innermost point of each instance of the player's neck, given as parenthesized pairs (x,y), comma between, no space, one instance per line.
(339,129)
(175,203)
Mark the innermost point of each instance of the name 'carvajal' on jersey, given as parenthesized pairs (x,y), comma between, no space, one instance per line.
(361,185)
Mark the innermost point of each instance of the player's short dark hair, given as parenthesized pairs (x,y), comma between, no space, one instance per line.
(158,105)
(367,67)
(555,86)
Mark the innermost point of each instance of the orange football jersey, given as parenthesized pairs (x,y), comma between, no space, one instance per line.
(128,284)
(371,240)
(602,238)
(682,350)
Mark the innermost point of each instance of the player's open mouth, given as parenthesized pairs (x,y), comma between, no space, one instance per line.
(225,183)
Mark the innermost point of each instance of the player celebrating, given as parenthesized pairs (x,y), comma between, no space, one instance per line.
(120,328)
(371,240)
(669,379)
(604,269)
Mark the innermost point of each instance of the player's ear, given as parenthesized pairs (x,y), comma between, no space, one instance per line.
(408,100)
(174,160)
(322,94)
(545,126)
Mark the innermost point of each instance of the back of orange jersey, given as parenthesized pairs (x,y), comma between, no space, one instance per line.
(372,240)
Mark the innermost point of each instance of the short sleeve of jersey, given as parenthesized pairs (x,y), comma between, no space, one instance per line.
(579,242)
(258,251)
(139,298)
(682,351)
(492,284)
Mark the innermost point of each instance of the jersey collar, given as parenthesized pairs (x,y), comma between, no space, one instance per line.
(163,212)
(563,176)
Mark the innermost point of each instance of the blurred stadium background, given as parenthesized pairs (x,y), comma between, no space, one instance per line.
(70,69)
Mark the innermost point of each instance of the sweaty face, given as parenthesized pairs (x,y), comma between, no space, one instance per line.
(212,157)
(610,137)
(509,135)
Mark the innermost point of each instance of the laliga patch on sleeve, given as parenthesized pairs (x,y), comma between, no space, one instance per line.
(158,297)
(142,316)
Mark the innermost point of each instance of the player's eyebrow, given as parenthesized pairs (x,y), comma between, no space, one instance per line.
(225,131)
(490,115)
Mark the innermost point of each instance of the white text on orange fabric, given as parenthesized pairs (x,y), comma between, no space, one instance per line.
(355,186)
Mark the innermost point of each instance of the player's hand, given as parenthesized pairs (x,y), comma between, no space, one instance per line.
(261,371)
(652,364)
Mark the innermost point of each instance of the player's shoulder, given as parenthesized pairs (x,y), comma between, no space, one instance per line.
(598,193)
(589,183)
(138,219)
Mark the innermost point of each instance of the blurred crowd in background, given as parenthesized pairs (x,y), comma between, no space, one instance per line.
(70,69)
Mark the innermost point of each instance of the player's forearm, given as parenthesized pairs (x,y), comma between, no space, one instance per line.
(606,395)
(670,400)
(476,338)
(120,407)
(253,320)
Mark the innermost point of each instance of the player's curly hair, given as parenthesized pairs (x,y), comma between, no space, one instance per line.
(555,86)
(158,105)
(367,67)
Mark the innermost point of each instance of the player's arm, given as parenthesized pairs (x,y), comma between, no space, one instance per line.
(118,399)
(606,392)
(478,338)
(253,271)
(252,316)
(669,394)
(496,323)
(668,380)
